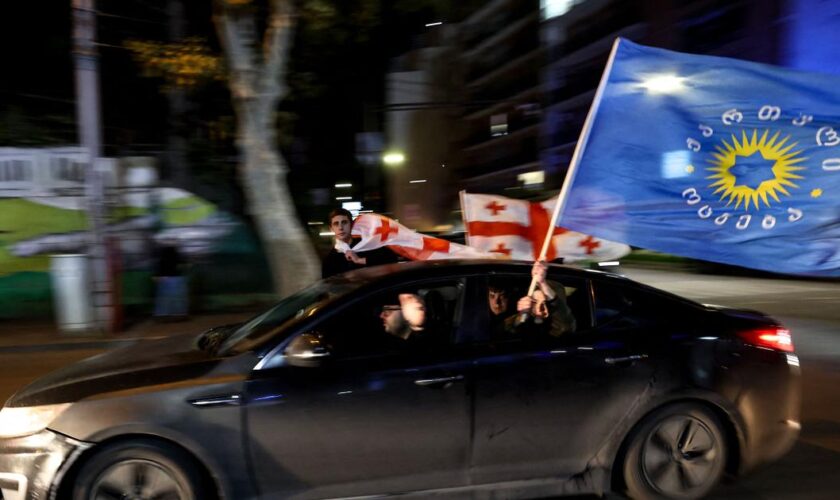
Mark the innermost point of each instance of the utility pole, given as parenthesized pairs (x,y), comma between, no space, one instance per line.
(85,58)
(176,142)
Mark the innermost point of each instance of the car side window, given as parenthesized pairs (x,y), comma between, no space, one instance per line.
(621,307)
(409,318)
(568,312)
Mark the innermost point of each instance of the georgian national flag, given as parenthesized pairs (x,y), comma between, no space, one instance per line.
(517,229)
(377,231)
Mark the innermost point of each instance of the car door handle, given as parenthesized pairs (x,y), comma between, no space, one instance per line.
(212,401)
(625,359)
(439,381)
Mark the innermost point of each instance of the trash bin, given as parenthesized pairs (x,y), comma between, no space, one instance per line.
(71,292)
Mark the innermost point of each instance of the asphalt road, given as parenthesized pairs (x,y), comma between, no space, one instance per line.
(811,309)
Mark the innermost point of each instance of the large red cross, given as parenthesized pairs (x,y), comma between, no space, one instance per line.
(494,207)
(430,246)
(536,232)
(385,230)
(590,244)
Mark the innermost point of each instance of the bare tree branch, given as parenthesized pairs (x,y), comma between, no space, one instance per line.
(276,44)
(240,61)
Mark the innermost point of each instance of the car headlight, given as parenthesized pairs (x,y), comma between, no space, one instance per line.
(23,421)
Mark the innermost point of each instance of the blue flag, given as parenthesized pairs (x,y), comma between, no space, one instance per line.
(711,158)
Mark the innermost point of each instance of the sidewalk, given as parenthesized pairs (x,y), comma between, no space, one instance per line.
(44,335)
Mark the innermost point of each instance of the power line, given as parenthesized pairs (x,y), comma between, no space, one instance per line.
(411,106)
(127,18)
(111,46)
(40,97)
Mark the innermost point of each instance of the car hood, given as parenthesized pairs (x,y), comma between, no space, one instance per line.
(145,363)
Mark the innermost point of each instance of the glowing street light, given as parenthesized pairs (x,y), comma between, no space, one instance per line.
(393,158)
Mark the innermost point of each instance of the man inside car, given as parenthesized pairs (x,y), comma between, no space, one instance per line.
(546,310)
(502,315)
(405,317)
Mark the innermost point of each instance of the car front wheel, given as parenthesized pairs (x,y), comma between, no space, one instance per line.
(679,452)
(139,471)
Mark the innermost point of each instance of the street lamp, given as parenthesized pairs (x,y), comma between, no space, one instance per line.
(393,158)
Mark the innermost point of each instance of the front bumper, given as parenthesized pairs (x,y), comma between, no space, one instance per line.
(30,465)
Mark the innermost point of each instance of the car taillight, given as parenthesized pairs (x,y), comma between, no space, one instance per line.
(777,339)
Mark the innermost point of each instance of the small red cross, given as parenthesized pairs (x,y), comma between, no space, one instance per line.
(500,248)
(495,207)
(385,230)
(590,244)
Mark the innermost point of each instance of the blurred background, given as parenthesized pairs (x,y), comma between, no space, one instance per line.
(388,106)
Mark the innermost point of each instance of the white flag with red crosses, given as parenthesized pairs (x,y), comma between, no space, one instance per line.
(378,231)
(517,228)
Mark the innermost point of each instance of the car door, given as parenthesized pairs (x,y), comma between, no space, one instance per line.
(543,407)
(376,417)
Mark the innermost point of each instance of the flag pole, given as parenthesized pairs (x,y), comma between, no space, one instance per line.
(573,164)
(461,195)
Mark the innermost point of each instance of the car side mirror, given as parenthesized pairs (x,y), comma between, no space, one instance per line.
(307,350)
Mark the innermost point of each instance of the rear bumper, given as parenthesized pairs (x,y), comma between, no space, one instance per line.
(770,407)
(30,465)
(777,441)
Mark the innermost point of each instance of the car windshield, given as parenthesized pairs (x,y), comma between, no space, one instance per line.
(300,305)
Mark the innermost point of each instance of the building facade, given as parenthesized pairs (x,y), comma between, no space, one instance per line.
(515,79)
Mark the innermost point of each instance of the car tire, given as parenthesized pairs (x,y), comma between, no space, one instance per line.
(679,452)
(139,469)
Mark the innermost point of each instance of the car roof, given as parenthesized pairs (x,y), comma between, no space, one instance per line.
(401,272)
(443,268)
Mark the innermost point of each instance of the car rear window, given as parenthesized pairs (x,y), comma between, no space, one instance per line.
(621,306)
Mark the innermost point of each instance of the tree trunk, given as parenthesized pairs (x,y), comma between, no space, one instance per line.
(256,88)
(263,176)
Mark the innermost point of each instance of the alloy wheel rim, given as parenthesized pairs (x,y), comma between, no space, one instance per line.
(681,456)
(137,479)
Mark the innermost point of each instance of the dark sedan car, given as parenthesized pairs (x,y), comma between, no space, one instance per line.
(419,379)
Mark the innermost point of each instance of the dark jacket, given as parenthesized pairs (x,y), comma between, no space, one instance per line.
(336,263)
(560,321)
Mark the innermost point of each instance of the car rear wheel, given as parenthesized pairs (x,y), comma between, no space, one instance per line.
(139,471)
(679,452)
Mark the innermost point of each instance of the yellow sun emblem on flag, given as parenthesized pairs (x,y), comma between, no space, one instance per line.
(754,169)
